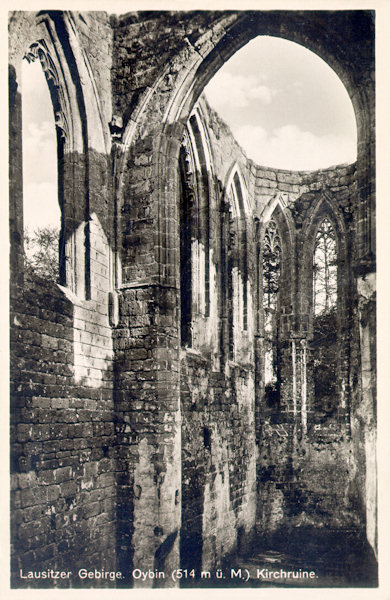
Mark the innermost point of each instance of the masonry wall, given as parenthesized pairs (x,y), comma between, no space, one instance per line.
(62,433)
(163,95)
(307,468)
(218,386)
(299,471)
(63,437)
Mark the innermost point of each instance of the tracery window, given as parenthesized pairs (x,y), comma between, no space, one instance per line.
(239,231)
(271,282)
(325,269)
(271,267)
(325,323)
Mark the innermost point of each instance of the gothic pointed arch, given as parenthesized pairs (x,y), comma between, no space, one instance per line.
(324,269)
(327,277)
(202,59)
(237,267)
(200,144)
(67,141)
(196,195)
(324,207)
(53,42)
(276,210)
(276,274)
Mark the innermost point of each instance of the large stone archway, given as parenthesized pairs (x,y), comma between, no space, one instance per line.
(172,87)
(165,97)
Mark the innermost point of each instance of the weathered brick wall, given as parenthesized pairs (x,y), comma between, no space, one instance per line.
(95,36)
(218,454)
(301,476)
(63,434)
(146,367)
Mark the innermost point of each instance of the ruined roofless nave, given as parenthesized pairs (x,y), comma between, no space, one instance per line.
(202,374)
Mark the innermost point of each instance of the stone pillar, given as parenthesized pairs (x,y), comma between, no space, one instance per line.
(366,412)
(148,429)
(147,342)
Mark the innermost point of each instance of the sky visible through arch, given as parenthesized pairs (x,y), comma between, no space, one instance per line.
(285,106)
(40,172)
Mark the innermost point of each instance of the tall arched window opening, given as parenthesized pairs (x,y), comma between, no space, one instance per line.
(325,327)
(271,283)
(237,191)
(194,169)
(41,209)
(238,269)
(186,226)
(325,269)
(203,218)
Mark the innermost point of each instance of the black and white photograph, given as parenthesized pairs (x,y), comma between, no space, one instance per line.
(193,338)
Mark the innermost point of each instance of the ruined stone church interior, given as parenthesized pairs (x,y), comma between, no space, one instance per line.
(193,382)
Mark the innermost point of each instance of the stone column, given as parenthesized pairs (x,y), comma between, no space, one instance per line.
(147,341)
(365,267)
